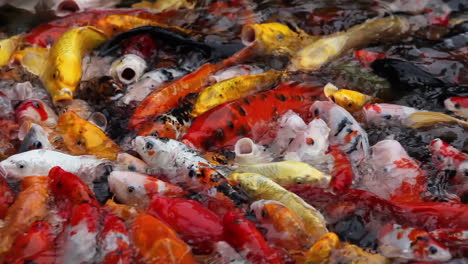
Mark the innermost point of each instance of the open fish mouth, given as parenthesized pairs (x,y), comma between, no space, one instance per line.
(68,6)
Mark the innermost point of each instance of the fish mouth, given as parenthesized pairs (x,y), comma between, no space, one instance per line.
(3,172)
(68,6)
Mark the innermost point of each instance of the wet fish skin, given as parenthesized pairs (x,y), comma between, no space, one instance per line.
(113,241)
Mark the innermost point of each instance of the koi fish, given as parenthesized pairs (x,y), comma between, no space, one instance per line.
(137,189)
(196,225)
(7,48)
(325,49)
(285,228)
(37,112)
(152,106)
(66,187)
(382,113)
(184,166)
(67,7)
(451,161)
(366,57)
(113,241)
(350,253)
(128,69)
(63,70)
(29,206)
(224,253)
(450,236)
(80,235)
(275,38)
(38,162)
(100,90)
(350,100)
(241,234)
(345,131)
(84,138)
(288,173)
(424,119)
(457,105)
(396,175)
(8,136)
(155,242)
(403,242)
(223,125)
(36,244)
(149,82)
(232,89)
(172,124)
(6,107)
(259,187)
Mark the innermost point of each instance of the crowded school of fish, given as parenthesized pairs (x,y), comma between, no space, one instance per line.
(216,132)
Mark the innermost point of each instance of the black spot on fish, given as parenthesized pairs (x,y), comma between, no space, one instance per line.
(219,134)
(388,117)
(356,142)
(230,125)
(246,100)
(192,173)
(342,125)
(237,196)
(281,97)
(241,110)
(352,229)
(164,139)
(241,131)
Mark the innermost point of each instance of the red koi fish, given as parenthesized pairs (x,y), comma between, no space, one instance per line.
(113,241)
(37,112)
(252,116)
(366,57)
(342,173)
(411,243)
(79,237)
(7,196)
(453,162)
(241,234)
(36,245)
(167,97)
(198,226)
(67,187)
(46,34)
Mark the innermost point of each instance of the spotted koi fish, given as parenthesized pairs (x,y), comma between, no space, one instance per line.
(113,241)
(410,243)
(253,116)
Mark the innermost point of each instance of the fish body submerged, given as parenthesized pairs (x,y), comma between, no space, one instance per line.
(289,173)
(38,162)
(259,187)
(63,70)
(410,243)
(183,165)
(252,116)
(395,175)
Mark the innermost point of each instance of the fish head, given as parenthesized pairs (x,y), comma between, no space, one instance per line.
(17,166)
(428,249)
(128,187)
(250,182)
(37,112)
(456,103)
(316,136)
(257,208)
(63,77)
(154,151)
(36,138)
(350,100)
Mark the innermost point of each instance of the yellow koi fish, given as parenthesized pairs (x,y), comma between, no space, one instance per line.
(63,69)
(259,187)
(84,138)
(353,254)
(321,250)
(350,100)
(275,38)
(289,173)
(7,48)
(327,48)
(232,89)
(29,206)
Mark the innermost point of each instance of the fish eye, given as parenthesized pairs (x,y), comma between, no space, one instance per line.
(350,105)
(132,167)
(21,164)
(457,106)
(130,189)
(149,145)
(432,250)
(36,105)
(37,144)
(316,112)
(56,74)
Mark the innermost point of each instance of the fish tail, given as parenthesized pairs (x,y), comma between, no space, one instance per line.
(423,119)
